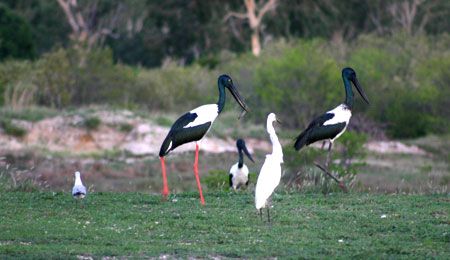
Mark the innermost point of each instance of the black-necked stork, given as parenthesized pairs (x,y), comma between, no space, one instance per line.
(239,171)
(270,174)
(193,126)
(333,123)
(78,190)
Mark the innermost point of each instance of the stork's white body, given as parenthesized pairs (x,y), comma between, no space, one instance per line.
(342,114)
(240,175)
(205,114)
(270,174)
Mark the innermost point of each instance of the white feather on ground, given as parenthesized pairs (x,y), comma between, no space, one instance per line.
(270,174)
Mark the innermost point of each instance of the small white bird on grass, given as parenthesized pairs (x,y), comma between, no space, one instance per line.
(270,174)
(78,190)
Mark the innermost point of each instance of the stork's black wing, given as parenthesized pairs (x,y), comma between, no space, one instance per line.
(317,131)
(179,135)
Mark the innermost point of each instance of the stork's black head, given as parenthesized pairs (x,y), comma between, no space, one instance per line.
(226,81)
(350,74)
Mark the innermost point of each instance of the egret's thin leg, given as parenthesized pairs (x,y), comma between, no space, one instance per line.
(268,214)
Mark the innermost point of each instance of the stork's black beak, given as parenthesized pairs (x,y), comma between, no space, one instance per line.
(238,98)
(360,90)
(247,153)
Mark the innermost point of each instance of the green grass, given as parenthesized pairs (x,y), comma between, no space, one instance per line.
(51,225)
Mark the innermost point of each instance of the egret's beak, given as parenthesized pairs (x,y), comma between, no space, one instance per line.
(278,121)
(238,98)
(360,90)
(247,153)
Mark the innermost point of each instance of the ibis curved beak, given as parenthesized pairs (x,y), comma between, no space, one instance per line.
(360,90)
(247,153)
(238,98)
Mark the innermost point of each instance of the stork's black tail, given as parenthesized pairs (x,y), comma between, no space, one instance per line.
(301,140)
(166,146)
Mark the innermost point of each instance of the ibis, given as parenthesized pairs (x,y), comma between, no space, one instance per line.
(239,171)
(193,126)
(78,190)
(332,124)
(270,174)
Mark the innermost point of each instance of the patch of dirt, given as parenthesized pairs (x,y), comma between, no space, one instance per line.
(393,147)
(67,134)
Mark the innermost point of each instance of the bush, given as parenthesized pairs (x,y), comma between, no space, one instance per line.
(92,123)
(175,88)
(301,173)
(12,129)
(17,88)
(350,156)
(301,81)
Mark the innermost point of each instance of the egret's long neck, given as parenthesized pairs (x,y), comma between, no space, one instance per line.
(348,92)
(241,159)
(78,180)
(277,151)
(222,95)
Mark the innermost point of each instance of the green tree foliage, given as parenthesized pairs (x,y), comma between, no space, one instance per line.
(150,32)
(300,81)
(15,36)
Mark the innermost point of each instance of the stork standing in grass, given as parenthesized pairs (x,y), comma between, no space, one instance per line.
(332,124)
(239,171)
(193,126)
(270,174)
(78,190)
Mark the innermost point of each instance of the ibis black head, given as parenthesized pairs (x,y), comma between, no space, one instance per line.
(240,144)
(226,81)
(350,74)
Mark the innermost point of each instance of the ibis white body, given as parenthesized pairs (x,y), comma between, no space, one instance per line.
(240,176)
(270,174)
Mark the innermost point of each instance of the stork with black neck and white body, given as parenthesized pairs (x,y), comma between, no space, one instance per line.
(332,124)
(239,171)
(193,126)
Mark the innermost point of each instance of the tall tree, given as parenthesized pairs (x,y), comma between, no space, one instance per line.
(254,15)
(15,36)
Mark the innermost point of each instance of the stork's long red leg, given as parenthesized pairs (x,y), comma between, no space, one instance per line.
(165,191)
(197,177)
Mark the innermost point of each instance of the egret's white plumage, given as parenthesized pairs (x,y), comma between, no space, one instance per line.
(205,114)
(270,174)
(240,175)
(78,190)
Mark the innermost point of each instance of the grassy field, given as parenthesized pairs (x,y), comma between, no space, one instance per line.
(358,225)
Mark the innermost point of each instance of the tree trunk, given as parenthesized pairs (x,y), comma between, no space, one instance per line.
(256,45)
